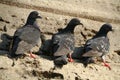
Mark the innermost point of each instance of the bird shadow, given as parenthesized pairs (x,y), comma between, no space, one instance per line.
(78,58)
(5,44)
(47,57)
(45,51)
(77,55)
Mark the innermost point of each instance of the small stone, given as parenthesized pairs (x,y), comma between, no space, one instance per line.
(23,20)
(5,28)
(90,67)
(13,15)
(47,18)
(117,51)
(83,71)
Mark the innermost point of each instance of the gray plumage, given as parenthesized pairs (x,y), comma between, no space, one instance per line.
(27,37)
(60,61)
(99,45)
(63,41)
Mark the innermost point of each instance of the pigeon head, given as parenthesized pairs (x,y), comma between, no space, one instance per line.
(104,30)
(106,27)
(72,24)
(32,17)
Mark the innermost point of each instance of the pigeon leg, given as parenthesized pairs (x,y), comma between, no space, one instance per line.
(32,55)
(70,58)
(105,64)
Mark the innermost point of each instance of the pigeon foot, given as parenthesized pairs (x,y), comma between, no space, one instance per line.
(107,65)
(32,55)
(70,58)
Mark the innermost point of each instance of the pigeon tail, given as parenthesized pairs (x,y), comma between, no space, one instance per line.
(60,61)
(87,60)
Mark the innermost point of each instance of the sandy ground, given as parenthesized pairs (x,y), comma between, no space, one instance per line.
(56,14)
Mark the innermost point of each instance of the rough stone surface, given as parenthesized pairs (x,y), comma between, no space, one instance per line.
(56,14)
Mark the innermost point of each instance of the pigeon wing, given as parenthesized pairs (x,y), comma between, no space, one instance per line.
(29,37)
(55,41)
(23,47)
(97,47)
(66,45)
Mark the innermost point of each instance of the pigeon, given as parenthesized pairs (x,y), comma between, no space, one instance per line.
(98,46)
(63,42)
(26,37)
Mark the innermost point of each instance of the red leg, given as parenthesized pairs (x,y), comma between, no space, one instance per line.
(70,58)
(32,55)
(105,64)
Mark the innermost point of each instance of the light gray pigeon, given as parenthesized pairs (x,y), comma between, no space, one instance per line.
(26,37)
(98,46)
(63,42)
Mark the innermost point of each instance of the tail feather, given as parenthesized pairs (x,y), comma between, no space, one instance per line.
(60,61)
(87,60)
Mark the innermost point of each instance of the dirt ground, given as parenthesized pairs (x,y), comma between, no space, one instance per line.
(56,14)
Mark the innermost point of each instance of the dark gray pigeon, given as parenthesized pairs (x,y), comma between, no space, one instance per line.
(26,37)
(98,46)
(63,41)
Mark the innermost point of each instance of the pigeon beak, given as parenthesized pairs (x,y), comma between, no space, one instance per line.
(81,24)
(39,17)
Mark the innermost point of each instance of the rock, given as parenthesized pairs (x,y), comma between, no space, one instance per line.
(117,51)
(13,15)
